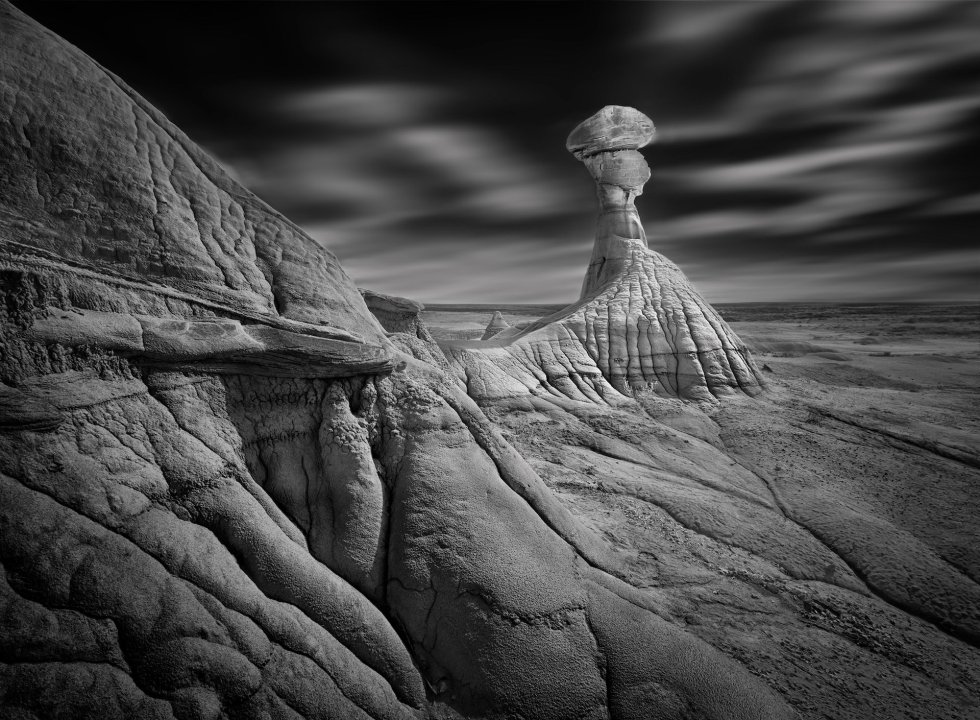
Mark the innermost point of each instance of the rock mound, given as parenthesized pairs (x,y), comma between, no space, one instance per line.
(496,325)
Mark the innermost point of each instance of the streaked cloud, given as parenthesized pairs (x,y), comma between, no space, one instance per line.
(401,195)
(807,150)
(357,105)
(853,130)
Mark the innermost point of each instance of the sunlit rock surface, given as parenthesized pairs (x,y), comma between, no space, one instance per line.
(228,490)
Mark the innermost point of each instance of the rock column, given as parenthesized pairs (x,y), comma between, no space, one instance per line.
(608,143)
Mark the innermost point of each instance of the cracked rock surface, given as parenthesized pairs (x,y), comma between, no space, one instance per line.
(234,486)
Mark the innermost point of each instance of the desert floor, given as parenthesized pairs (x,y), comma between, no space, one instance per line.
(825,533)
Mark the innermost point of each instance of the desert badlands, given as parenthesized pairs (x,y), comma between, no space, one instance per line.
(232,485)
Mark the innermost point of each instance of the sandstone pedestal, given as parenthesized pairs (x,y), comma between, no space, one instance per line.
(639,325)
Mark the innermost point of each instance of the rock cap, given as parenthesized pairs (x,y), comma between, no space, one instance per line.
(390,303)
(614,127)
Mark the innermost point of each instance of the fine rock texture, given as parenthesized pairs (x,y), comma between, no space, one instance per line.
(228,491)
(639,327)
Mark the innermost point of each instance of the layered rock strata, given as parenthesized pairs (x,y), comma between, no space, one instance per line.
(227,492)
(639,325)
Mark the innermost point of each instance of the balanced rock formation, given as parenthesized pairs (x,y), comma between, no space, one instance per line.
(402,320)
(227,490)
(639,326)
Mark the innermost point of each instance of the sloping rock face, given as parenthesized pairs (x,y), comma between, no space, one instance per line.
(402,319)
(640,326)
(226,491)
(98,180)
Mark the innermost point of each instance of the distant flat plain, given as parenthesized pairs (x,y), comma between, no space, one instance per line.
(928,353)
(902,320)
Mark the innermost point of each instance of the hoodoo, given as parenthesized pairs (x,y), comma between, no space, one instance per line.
(608,144)
(639,325)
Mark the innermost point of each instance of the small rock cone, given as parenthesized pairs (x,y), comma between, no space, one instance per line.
(495,326)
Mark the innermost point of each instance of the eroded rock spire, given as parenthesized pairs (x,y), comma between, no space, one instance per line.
(639,327)
(608,143)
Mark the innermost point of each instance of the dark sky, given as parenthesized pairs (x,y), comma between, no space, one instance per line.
(807,150)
